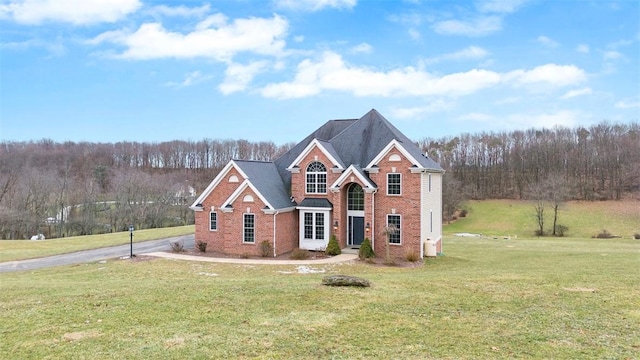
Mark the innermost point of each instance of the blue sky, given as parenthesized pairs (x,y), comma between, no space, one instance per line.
(153,71)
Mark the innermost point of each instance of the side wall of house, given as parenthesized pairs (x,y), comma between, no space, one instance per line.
(215,238)
(406,205)
(286,231)
(431,207)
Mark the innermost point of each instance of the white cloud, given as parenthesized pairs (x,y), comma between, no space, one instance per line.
(480,26)
(181,10)
(583,48)
(362,48)
(612,55)
(214,38)
(564,118)
(578,92)
(238,77)
(331,73)
(551,74)
(414,34)
(190,79)
(314,5)
(77,12)
(627,104)
(416,112)
(468,53)
(547,41)
(500,6)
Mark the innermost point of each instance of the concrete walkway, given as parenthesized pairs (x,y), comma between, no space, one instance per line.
(265,261)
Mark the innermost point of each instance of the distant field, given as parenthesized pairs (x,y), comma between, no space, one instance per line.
(27,249)
(545,298)
(584,219)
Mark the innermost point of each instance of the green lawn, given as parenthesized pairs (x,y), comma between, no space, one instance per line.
(27,249)
(584,219)
(486,299)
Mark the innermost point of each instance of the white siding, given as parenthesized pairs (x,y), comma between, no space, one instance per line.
(431,208)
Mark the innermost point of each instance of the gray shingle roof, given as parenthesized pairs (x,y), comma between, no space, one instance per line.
(316,203)
(265,177)
(353,141)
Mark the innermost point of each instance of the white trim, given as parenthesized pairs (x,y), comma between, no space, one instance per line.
(216,213)
(278,211)
(369,187)
(234,196)
(223,173)
(314,244)
(308,149)
(316,174)
(393,143)
(254,228)
(394,173)
(400,217)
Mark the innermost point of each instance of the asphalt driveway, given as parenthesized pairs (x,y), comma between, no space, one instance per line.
(87,256)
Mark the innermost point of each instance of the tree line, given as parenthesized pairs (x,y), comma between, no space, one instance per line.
(65,189)
(75,188)
(601,162)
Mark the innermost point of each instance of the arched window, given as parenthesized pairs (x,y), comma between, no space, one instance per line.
(316,178)
(355,198)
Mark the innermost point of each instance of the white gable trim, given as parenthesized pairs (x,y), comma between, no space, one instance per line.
(352,170)
(245,184)
(307,150)
(217,180)
(393,143)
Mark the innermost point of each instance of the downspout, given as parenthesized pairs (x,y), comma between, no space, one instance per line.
(274,233)
(373,219)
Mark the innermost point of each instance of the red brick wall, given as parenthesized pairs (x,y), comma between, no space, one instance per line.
(407,205)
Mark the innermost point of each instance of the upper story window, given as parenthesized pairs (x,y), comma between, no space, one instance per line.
(355,198)
(316,178)
(394,184)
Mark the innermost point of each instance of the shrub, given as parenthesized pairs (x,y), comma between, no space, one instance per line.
(299,254)
(266,249)
(202,246)
(561,230)
(412,256)
(177,247)
(333,248)
(604,234)
(366,251)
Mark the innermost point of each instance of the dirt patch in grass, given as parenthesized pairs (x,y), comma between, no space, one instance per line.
(399,263)
(79,335)
(579,289)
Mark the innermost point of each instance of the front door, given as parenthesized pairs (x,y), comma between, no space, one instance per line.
(356,230)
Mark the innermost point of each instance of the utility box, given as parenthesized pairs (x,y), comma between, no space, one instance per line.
(432,250)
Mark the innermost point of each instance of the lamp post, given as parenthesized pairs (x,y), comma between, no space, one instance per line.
(131,241)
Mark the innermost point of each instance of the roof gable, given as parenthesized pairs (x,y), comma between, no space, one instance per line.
(212,185)
(394,144)
(353,170)
(325,147)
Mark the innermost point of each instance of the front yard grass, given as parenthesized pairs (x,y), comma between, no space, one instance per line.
(486,299)
(27,249)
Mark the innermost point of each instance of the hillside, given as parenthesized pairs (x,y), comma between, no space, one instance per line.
(583,218)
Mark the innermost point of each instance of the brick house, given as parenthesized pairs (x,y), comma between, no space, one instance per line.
(349,178)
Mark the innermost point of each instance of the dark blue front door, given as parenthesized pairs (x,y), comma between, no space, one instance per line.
(356,230)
